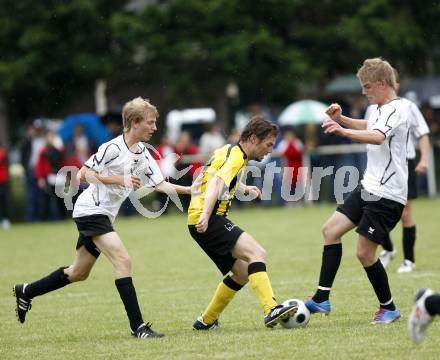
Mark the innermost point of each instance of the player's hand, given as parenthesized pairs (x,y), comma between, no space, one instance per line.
(253,190)
(202,224)
(332,127)
(130,181)
(335,112)
(421,168)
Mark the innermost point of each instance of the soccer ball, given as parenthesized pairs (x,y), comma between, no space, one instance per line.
(300,319)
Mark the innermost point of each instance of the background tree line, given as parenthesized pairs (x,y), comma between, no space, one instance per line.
(52,51)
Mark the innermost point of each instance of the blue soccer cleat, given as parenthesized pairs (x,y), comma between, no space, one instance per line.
(384,316)
(321,308)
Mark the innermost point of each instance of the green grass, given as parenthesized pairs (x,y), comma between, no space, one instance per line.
(175,281)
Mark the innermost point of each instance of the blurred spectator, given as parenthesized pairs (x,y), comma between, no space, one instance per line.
(115,127)
(211,139)
(78,149)
(433,124)
(256,109)
(30,150)
(50,161)
(183,147)
(164,149)
(234,137)
(291,150)
(311,136)
(4,188)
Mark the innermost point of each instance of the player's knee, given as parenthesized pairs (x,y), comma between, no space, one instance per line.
(365,257)
(257,254)
(124,262)
(260,253)
(328,234)
(78,274)
(407,219)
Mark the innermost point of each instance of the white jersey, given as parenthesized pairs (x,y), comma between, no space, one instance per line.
(115,158)
(387,170)
(417,125)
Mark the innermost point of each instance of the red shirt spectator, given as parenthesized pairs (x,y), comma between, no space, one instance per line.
(185,147)
(291,149)
(4,166)
(50,160)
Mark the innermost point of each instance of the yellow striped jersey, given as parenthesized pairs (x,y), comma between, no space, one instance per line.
(228,163)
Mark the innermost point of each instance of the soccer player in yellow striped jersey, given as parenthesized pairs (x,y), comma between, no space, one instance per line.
(233,251)
(227,163)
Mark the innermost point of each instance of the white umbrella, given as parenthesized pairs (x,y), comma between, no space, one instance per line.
(303,112)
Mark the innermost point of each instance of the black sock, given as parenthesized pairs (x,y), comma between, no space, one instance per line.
(432,304)
(379,279)
(51,282)
(331,259)
(387,244)
(230,283)
(409,239)
(128,296)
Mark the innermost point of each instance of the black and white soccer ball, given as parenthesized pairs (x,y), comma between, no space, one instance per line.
(300,319)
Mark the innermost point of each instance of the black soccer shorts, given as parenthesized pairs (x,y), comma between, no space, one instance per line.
(90,226)
(218,241)
(375,217)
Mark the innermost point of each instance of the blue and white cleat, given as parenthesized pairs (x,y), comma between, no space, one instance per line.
(318,308)
(384,316)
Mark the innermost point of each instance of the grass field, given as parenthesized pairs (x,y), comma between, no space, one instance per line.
(175,281)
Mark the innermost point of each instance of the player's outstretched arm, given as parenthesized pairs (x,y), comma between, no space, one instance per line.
(168,188)
(334,111)
(249,189)
(92,177)
(374,137)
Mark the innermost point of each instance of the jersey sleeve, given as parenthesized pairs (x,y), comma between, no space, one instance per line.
(417,121)
(387,121)
(153,174)
(231,167)
(106,154)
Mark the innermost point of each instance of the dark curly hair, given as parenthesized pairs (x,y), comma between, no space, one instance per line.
(259,126)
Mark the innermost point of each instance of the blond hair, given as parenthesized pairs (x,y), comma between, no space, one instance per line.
(377,69)
(136,110)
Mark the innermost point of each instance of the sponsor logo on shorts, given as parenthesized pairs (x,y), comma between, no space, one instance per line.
(371,230)
(229,226)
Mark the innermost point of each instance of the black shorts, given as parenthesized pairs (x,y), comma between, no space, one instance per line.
(412,179)
(90,226)
(218,241)
(375,217)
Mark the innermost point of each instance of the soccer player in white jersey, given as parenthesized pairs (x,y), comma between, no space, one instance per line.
(375,206)
(119,167)
(419,131)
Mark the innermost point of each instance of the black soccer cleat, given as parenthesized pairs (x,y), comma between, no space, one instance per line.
(23,303)
(199,324)
(278,313)
(144,331)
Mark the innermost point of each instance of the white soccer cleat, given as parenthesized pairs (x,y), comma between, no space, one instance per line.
(386,256)
(419,319)
(406,267)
